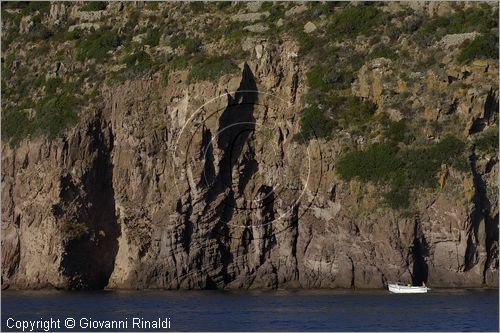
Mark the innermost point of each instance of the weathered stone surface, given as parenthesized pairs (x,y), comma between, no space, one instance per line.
(84,26)
(108,195)
(371,82)
(258,51)
(254,6)
(432,8)
(458,39)
(26,24)
(259,27)
(296,10)
(88,16)
(202,185)
(249,17)
(57,13)
(309,27)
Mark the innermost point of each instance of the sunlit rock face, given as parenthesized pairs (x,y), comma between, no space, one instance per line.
(190,184)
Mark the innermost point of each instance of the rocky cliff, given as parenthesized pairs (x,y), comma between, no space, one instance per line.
(173,178)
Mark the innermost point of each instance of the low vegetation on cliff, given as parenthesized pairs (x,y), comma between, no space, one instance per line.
(403,169)
(87,45)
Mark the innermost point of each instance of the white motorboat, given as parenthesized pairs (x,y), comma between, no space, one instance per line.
(400,288)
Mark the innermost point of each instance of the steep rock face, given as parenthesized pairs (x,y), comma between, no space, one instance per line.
(202,186)
(57,204)
(189,217)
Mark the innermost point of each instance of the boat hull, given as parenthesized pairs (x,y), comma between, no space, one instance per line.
(402,289)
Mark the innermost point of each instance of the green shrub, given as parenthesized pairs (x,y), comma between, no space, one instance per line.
(140,62)
(488,141)
(378,163)
(133,20)
(164,77)
(153,37)
(197,7)
(92,6)
(55,115)
(314,124)
(403,170)
(179,63)
(15,125)
(152,5)
(73,35)
(355,20)
(276,10)
(329,112)
(335,68)
(39,82)
(485,46)
(397,132)
(431,30)
(393,32)
(39,32)
(29,7)
(398,197)
(421,167)
(211,68)
(234,34)
(383,51)
(315,78)
(337,71)
(478,18)
(14,5)
(422,164)
(6,91)
(353,112)
(52,84)
(307,42)
(177,40)
(97,45)
(7,66)
(8,37)
(137,64)
(221,5)
(192,45)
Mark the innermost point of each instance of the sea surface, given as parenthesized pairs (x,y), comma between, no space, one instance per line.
(311,310)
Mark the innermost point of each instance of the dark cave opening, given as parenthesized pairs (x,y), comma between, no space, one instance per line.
(89,257)
(420,270)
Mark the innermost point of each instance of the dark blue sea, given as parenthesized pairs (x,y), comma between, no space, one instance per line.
(317,310)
